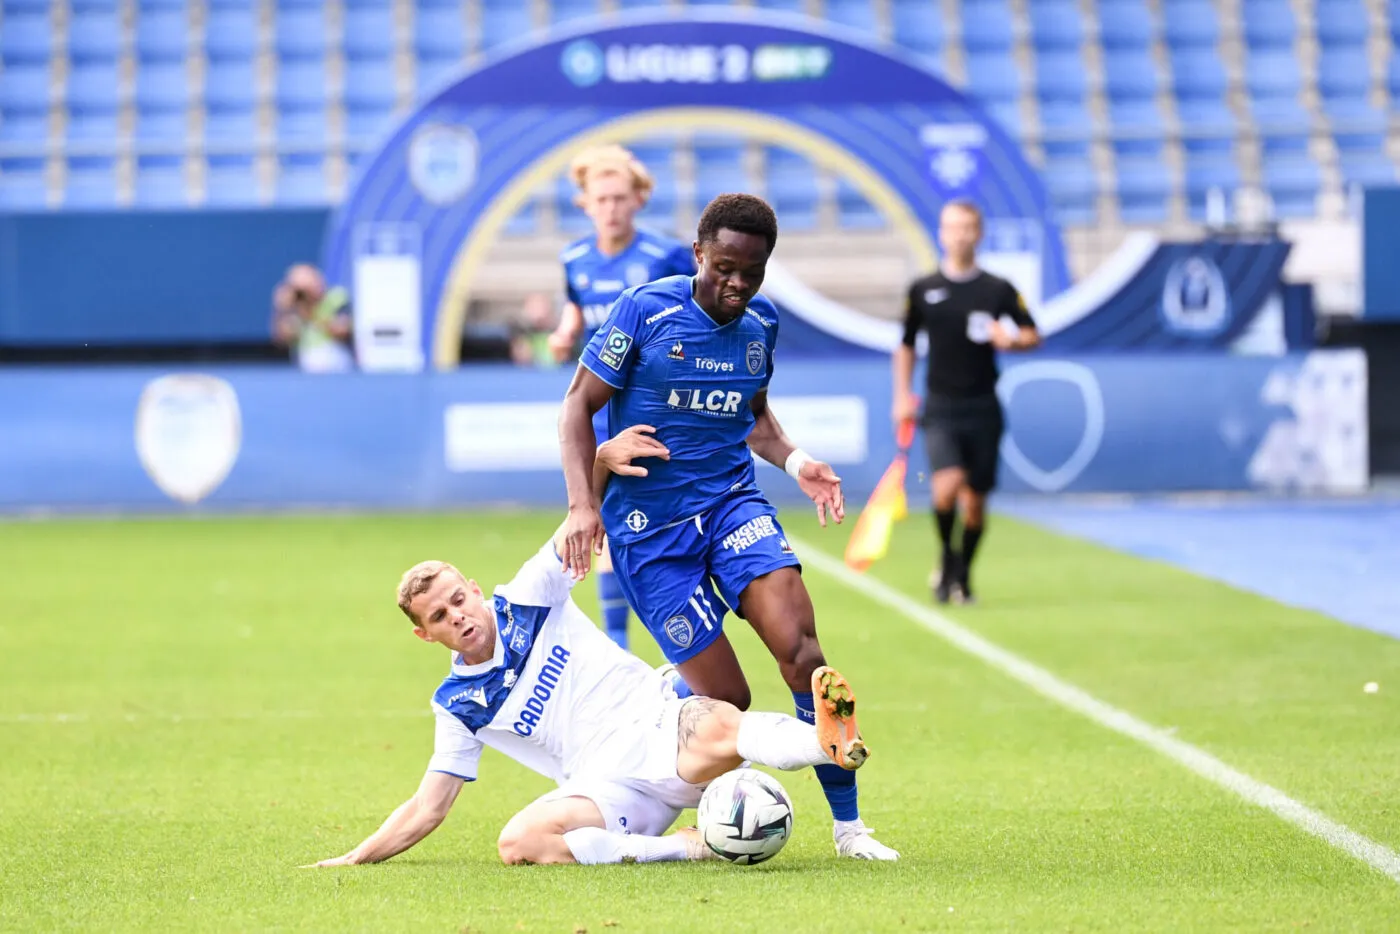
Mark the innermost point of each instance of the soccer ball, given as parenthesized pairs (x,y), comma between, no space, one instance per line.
(745,816)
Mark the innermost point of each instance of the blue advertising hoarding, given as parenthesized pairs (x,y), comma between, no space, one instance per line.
(252,437)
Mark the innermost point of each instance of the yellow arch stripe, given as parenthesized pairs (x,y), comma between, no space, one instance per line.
(762,128)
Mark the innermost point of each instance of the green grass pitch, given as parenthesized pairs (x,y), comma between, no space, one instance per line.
(189,709)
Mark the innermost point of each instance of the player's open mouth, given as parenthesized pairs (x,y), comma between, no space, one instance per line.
(734,301)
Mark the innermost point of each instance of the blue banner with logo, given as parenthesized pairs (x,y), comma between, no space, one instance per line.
(263,437)
(489,140)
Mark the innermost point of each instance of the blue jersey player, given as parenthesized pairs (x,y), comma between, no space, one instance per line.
(612,187)
(691,534)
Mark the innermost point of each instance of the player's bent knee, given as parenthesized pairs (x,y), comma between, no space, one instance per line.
(512,845)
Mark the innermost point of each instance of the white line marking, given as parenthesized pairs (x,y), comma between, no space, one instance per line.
(1067,695)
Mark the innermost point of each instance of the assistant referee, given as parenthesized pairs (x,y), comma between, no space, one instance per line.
(969,314)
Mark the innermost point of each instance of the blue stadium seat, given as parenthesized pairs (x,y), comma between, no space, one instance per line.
(1281,115)
(1136,129)
(1207,126)
(987,26)
(504,21)
(568,11)
(1273,76)
(994,78)
(1192,25)
(525,222)
(231,180)
(25,89)
(1066,129)
(231,85)
(160,182)
(918,27)
(301,179)
(853,211)
(23,188)
(1343,75)
(1205,173)
(162,36)
(1394,14)
(92,104)
(571,220)
(639,4)
(231,34)
(792,188)
(1358,126)
(21,7)
(162,103)
(1130,76)
(1125,24)
(1198,75)
(369,33)
(1056,26)
(85,7)
(1292,183)
(852,14)
(1060,77)
(1367,169)
(91,183)
(1143,191)
(719,168)
(145,6)
(301,105)
(656,153)
(27,38)
(1283,141)
(24,134)
(1269,24)
(369,101)
(301,34)
(439,40)
(785,6)
(95,37)
(1074,192)
(1342,23)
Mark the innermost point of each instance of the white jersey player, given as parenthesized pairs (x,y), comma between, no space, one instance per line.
(535,679)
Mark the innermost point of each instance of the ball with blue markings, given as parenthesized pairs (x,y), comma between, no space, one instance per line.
(745,816)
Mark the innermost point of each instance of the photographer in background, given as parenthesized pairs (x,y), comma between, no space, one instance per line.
(313,321)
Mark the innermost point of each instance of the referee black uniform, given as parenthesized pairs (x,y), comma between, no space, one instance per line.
(962,418)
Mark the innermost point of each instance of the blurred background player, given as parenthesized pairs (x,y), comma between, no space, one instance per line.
(613,186)
(692,534)
(969,314)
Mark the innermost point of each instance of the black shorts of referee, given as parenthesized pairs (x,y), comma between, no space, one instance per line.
(965,433)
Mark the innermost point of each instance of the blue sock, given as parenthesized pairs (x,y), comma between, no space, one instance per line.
(838,785)
(614,606)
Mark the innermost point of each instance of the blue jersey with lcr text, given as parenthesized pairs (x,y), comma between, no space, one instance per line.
(677,370)
(594,281)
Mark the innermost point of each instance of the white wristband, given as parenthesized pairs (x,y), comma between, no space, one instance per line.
(795,460)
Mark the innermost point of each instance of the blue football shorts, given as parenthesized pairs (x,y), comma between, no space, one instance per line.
(681,579)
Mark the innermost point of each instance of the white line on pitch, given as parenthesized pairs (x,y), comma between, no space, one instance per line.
(1076,699)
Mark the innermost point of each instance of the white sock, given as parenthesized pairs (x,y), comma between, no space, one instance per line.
(779,741)
(593,846)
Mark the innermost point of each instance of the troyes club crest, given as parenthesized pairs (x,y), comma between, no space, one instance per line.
(188,433)
(754,357)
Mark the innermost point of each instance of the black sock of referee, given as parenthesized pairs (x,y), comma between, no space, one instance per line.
(970,537)
(945,520)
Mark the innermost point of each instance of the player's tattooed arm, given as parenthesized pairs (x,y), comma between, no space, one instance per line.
(692,714)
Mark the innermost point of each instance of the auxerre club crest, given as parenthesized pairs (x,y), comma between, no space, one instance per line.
(188,433)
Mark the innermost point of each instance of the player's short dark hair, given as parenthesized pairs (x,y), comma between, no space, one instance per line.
(968,205)
(747,214)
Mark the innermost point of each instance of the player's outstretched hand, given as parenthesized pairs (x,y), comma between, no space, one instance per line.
(618,452)
(583,538)
(346,860)
(823,487)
